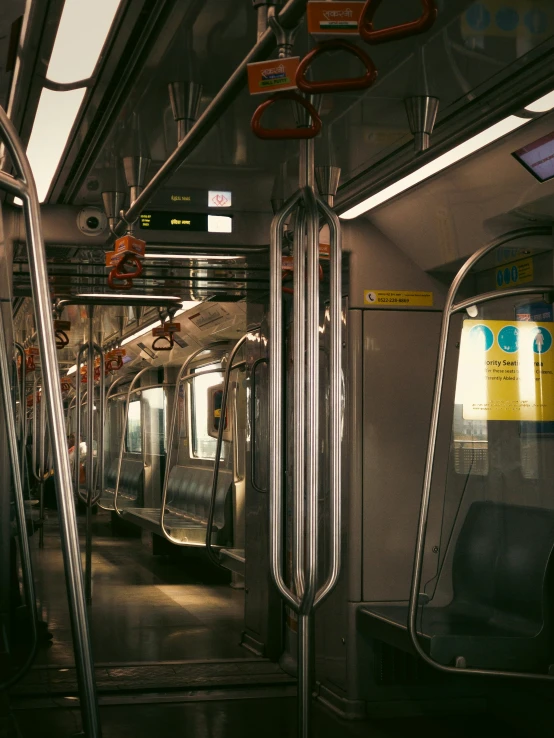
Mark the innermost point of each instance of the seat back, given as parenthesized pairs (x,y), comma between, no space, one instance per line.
(501,560)
(189,493)
(131,480)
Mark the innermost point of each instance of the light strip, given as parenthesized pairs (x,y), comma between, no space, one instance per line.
(143,331)
(71,370)
(54,120)
(82,32)
(205,257)
(463,150)
(144,298)
(81,35)
(543,104)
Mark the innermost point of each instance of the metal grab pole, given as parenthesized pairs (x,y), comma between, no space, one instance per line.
(23,412)
(306,415)
(25,551)
(41,471)
(181,377)
(24,187)
(78,401)
(100,464)
(275,404)
(211,513)
(123,433)
(89,474)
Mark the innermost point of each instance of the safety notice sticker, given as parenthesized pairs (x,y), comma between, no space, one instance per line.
(397,298)
(506,371)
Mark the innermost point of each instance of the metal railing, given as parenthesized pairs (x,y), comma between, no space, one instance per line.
(22,185)
(182,376)
(302,596)
(17,465)
(450,309)
(41,468)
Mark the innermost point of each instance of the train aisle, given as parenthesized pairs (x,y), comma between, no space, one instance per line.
(145,608)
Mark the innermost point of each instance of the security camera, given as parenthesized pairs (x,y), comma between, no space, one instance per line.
(92,221)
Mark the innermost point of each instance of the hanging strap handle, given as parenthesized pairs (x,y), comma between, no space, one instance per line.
(285,134)
(128,259)
(395,33)
(62,339)
(335,85)
(167,347)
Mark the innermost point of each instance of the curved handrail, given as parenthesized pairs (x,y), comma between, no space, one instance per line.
(395,33)
(323,87)
(23,185)
(255,365)
(123,434)
(79,399)
(285,134)
(220,431)
(23,415)
(181,375)
(449,309)
(17,464)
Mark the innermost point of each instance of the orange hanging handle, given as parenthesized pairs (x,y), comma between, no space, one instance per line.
(128,259)
(335,85)
(285,134)
(112,365)
(395,33)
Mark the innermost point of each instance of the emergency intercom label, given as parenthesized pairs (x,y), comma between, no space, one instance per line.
(506,371)
(397,298)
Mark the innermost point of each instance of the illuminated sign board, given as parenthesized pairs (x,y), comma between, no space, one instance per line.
(168,220)
(538,157)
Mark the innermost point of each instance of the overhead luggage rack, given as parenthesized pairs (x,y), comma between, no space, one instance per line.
(497,620)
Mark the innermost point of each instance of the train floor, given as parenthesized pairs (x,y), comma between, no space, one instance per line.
(166,642)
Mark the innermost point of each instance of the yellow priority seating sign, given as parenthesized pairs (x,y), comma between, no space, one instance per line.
(506,371)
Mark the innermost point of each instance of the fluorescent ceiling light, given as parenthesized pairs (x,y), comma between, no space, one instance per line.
(54,120)
(444,161)
(139,333)
(83,29)
(72,369)
(220,224)
(103,297)
(186,306)
(145,329)
(543,104)
(204,257)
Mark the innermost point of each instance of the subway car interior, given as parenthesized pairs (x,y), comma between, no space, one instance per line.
(276,368)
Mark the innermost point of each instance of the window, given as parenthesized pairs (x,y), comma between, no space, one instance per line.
(133,438)
(203,444)
(156,405)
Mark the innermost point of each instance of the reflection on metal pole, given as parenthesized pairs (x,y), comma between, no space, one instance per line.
(23,186)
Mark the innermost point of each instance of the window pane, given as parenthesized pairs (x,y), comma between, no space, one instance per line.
(155,404)
(203,445)
(134,435)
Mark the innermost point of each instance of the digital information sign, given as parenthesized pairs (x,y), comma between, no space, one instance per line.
(538,157)
(167,220)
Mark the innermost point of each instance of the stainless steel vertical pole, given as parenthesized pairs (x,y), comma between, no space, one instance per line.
(24,187)
(90,454)
(25,551)
(42,461)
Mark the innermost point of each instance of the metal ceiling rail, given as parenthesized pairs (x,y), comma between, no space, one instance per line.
(288,17)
